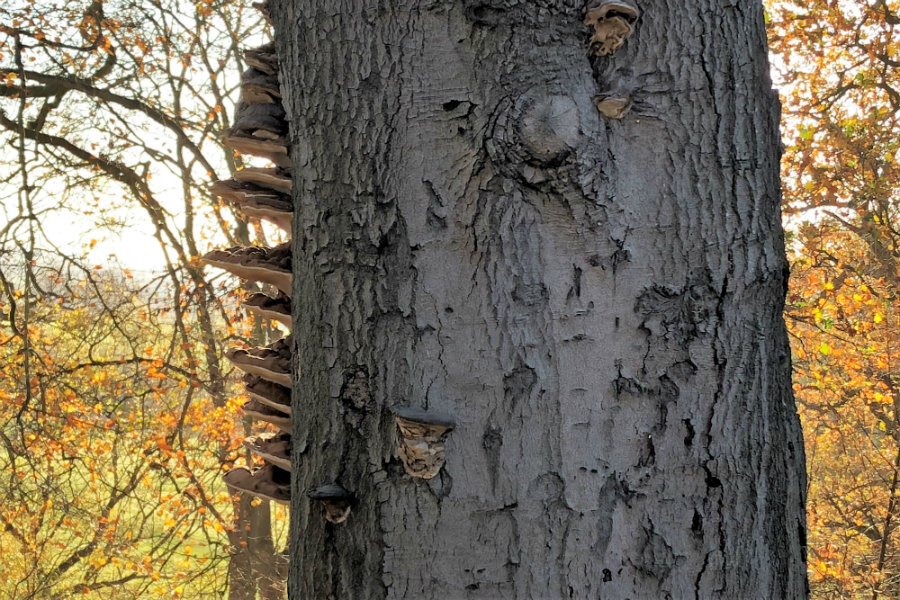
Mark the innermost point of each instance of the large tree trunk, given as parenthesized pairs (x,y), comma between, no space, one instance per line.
(596,303)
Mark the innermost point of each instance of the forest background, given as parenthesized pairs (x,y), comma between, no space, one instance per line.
(117,411)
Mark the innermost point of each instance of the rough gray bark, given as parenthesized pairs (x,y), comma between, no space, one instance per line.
(596,303)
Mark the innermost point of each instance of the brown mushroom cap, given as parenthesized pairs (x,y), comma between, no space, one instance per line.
(272,362)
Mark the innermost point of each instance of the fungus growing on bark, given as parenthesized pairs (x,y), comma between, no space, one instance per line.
(268,393)
(256,201)
(613,106)
(267,482)
(272,362)
(276,309)
(260,120)
(260,87)
(266,265)
(613,23)
(274,178)
(422,437)
(275,150)
(336,501)
(263,58)
(274,448)
(267,414)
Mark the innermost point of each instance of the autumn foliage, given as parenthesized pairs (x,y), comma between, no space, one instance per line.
(117,410)
(837,65)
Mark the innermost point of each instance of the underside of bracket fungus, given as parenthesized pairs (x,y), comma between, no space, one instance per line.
(274,178)
(613,106)
(257,201)
(272,362)
(267,482)
(336,501)
(263,58)
(267,307)
(422,438)
(266,265)
(267,414)
(613,23)
(265,392)
(274,448)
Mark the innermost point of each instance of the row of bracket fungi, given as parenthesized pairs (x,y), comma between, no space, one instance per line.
(613,22)
(260,129)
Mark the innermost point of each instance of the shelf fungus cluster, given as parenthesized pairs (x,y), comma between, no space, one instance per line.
(422,438)
(260,129)
(613,23)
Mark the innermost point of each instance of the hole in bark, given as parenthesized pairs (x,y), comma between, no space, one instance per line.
(577,280)
(448,310)
(697,524)
(451,105)
(484,15)
(689,436)
(607,575)
(713,481)
(472,586)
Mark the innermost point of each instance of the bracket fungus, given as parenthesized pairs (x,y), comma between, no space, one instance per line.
(613,106)
(274,178)
(613,23)
(263,59)
(267,482)
(257,201)
(336,501)
(267,414)
(272,362)
(275,309)
(274,448)
(266,265)
(260,87)
(266,392)
(422,438)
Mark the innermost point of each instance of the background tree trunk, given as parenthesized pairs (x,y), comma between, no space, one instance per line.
(596,303)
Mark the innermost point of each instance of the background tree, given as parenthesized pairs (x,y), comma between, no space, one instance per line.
(127,100)
(837,67)
(596,303)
